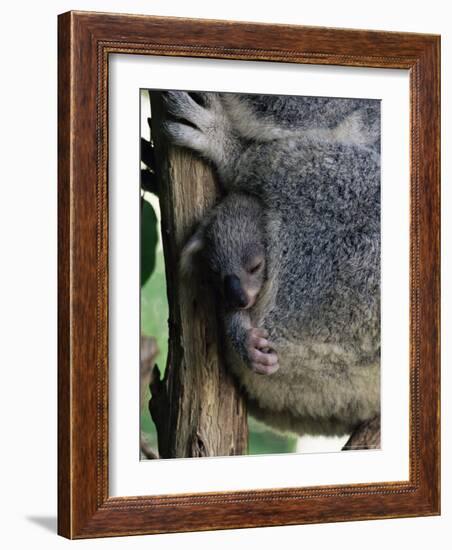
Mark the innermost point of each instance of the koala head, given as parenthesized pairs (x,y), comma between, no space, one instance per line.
(230,244)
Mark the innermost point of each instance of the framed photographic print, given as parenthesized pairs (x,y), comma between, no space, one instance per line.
(248,275)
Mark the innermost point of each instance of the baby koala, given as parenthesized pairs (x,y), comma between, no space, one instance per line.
(231,244)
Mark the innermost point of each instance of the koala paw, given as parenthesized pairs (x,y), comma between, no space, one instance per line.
(196,124)
(261,355)
(197,109)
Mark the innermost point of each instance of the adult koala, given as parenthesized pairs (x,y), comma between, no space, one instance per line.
(294,249)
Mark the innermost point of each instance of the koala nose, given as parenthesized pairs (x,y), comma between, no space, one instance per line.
(234,293)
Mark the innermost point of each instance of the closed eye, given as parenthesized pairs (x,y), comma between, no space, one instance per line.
(255,268)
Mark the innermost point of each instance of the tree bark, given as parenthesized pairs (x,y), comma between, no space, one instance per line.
(197,407)
(365,436)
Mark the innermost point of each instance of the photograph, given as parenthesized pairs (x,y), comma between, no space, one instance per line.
(248,274)
(282,262)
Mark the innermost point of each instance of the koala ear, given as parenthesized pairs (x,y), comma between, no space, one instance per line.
(193,246)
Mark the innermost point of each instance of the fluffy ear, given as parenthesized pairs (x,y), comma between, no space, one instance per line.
(188,255)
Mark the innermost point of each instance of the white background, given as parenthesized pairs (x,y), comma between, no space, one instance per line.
(128,476)
(28,274)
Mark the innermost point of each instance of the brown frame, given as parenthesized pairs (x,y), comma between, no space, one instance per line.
(84,44)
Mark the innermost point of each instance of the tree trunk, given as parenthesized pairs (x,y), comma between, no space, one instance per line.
(197,407)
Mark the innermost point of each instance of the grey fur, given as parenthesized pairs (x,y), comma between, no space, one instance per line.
(302,178)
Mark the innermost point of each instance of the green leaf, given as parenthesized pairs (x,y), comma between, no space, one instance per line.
(149,240)
(263,440)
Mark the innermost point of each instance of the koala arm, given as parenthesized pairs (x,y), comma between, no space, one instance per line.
(236,325)
(250,343)
(220,127)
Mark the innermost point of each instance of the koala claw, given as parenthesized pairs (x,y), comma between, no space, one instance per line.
(262,357)
(182,106)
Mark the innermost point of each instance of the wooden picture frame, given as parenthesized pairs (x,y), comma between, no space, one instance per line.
(85,42)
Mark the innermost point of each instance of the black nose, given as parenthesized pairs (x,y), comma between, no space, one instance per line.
(233,292)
